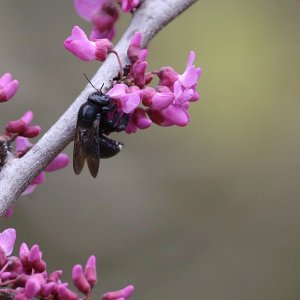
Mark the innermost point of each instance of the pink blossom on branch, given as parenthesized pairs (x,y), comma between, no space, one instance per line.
(122,294)
(79,45)
(26,276)
(166,104)
(8,87)
(22,126)
(103,14)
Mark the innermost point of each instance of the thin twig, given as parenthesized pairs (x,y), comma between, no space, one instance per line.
(149,19)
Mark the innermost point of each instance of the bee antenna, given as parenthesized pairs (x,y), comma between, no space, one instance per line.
(101,88)
(93,85)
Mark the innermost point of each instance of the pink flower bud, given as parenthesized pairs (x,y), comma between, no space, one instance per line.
(90,271)
(35,258)
(129,5)
(79,280)
(55,276)
(21,124)
(47,289)
(167,76)
(34,254)
(134,48)
(59,162)
(138,73)
(124,293)
(6,276)
(22,146)
(103,48)
(32,287)
(32,131)
(65,294)
(8,87)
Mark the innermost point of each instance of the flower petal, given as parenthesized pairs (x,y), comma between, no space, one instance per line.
(7,240)
(59,162)
(87,8)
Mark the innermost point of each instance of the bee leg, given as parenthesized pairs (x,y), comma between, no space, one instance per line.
(123,121)
(110,125)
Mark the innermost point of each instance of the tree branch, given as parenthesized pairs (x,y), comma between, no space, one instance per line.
(17,174)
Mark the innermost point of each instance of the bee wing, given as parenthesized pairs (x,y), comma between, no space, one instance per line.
(91,147)
(78,152)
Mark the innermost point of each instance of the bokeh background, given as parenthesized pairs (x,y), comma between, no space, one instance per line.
(210,211)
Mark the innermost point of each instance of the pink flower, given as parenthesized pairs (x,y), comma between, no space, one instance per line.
(7,240)
(102,13)
(160,99)
(79,280)
(129,5)
(134,49)
(176,113)
(167,76)
(79,45)
(190,76)
(59,162)
(128,100)
(8,87)
(33,286)
(88,8)
(90,271)
(122,294)
(138,119)
(22,126)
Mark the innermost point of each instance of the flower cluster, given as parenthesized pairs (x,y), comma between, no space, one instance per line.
(103,15)
(166,104)
(25,276)
(20,131)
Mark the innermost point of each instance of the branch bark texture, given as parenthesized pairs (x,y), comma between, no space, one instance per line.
(149,19)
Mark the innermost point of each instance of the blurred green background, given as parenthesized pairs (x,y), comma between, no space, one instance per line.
(210,211)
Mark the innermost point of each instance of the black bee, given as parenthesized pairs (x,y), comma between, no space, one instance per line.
(97,117)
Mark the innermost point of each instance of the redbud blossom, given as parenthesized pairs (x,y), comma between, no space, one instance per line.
(8,87)
(22,126)
(85,49)
(124,293)
(138,119)
(90,272)
(103,14)
(7,240)
(134,48)
(20,278)
(127,100)
(129,5)
(79,280)
(32,287)
(59,162)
